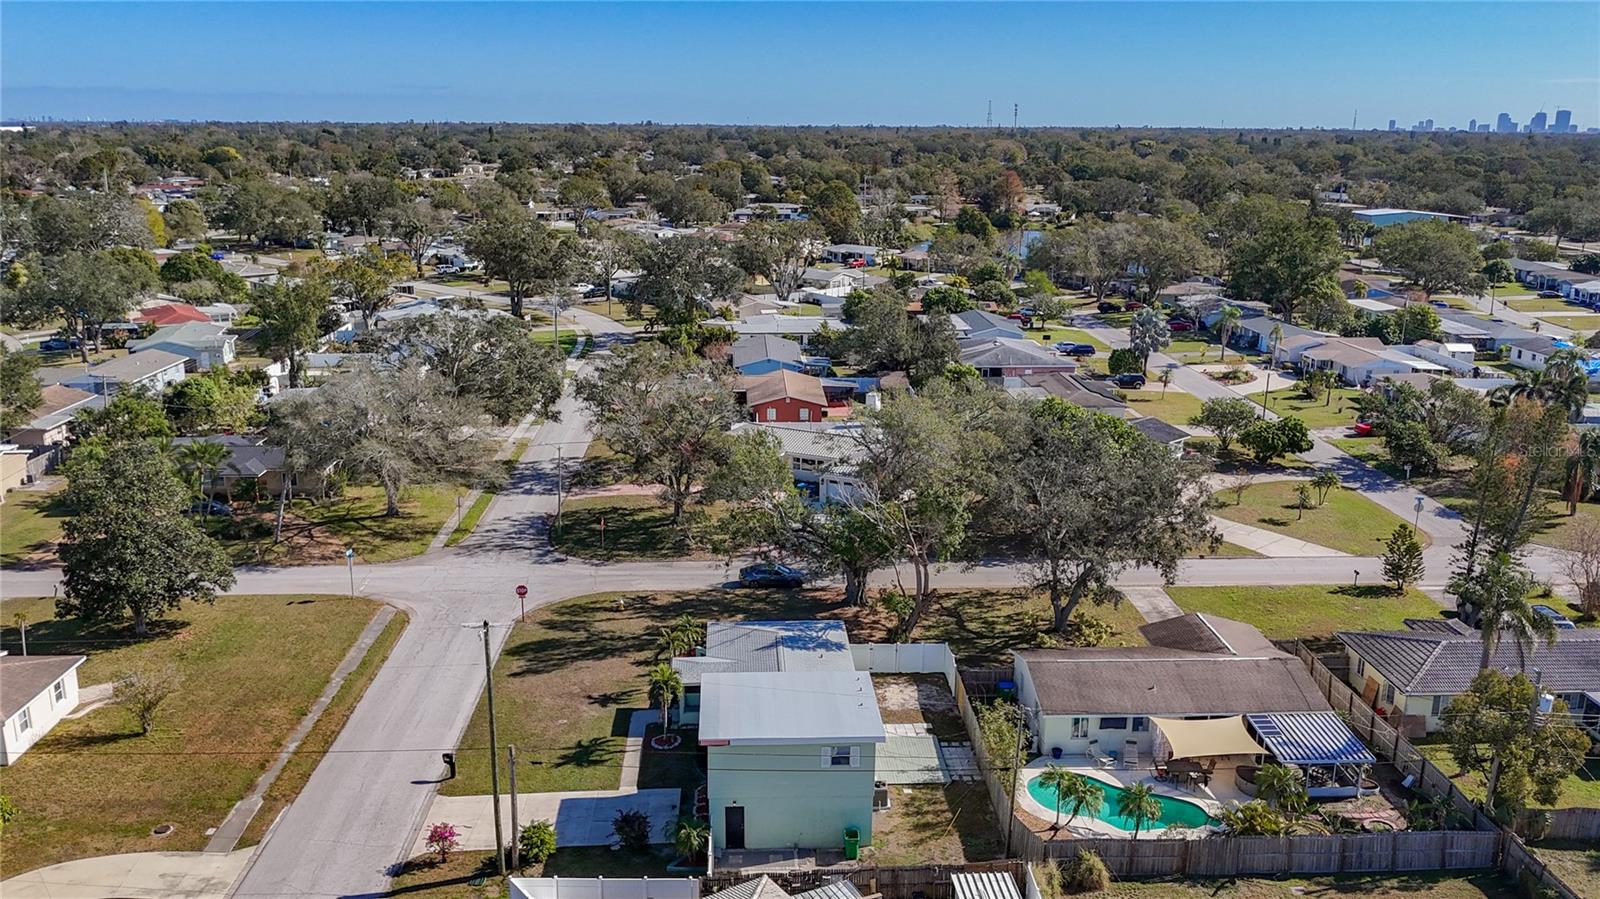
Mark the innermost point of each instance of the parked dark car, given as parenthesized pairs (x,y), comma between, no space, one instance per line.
(1131,379)
(59,345)
(1105,306)
(210,507)
(599,290)
(1550,294)
(1561,621)
(1068,348)
(770,574)
(1439,304)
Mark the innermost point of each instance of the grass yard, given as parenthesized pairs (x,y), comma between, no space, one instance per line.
(569,338)
(617,311)
(241,689)
(1542,304)
(620,528)
(811,309)
(1175,408)
(1442,885)
(1579,790)
(1574,322)
(935,825)
(1335,408)
(30,525)
(1348,521)
(571,675)
(319,532)
(469,519)
(1576,861)
(1367,449)
(1300,610)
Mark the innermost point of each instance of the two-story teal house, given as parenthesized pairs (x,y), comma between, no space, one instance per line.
(791,731)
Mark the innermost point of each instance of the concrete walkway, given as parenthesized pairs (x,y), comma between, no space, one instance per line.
(1269,543)
(91,698)
(1152,602)
(582,817)
(136,875)
(233,827)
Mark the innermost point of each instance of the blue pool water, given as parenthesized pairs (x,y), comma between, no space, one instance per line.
(1173,811)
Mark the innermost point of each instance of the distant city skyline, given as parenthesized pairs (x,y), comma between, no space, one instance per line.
(1259,65)
(1539,123)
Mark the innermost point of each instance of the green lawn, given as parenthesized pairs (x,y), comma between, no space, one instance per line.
(569,337)
(935,825)
(1576,861)
(812,309)
(1543,304)
(469,520)
(620,528)
(1368,449)
(1442,885)
(1288,611)
(30,524)
(1175,407)
(571,675)
(1335,408)
(96,786)
(1579,790)
(617,311)
(1574,322)
(1348,521)
(319,532)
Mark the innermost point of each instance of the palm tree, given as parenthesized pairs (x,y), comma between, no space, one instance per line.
(1140,805)
(1274,340)
(665,687)
(1279,786)
(203,458)
(1085,796)
(1226,325)
(1583,469)
(690,836)
(1499,591)
(1058,779)
(681,637)
(1563,382)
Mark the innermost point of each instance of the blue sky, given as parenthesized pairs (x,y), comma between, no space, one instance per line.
(1135,63)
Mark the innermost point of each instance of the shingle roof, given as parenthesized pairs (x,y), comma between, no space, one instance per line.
(1087,394)
(1007,352)
(783,384)
(979,320)
(754,348)
(197,334)
(1155,680)
(22,678)
(815,441)
(1158,430)
(59,403)
(248,457)
(1430,662)
(134,366)
(1199,632)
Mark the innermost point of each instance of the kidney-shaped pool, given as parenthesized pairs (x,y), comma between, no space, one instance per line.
(1174,812)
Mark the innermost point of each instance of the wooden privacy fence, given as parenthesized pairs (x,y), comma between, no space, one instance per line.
(1224,856)
(893,882)
(1519,862)
(1564,823)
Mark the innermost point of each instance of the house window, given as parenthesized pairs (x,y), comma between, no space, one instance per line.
(805,414)
(1388,694)
(1113,723)
(841,757)
(1439,702)
(59,691)
(1080,728)
(24,722)
(691,699)
(1361,668)
(1140,725)
(772,413)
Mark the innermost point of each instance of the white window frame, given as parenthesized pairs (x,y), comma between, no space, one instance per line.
(772,413)
(1388,694)
(1361,667)
(1080,728)
(1439,702)
(24,721)
(58,691)
(841,757)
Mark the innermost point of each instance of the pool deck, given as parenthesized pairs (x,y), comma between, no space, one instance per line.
(1211,798)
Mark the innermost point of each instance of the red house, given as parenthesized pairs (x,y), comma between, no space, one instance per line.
(787,396)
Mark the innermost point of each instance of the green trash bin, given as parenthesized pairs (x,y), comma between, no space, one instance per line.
(852,843)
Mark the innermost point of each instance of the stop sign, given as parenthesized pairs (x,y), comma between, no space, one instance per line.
(522,590)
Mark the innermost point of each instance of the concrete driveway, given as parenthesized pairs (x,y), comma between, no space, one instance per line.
(581,818)
(136,875)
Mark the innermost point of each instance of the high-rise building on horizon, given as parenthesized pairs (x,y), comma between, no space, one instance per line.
(1538,123)
(1427,124)
(1563,121)
(1392,125)
(1472,124)
(1503,124)
(1483,128)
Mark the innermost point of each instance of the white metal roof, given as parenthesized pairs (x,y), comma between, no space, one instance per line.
(984,885)
(777,707)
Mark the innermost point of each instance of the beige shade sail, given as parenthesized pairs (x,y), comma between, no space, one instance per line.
(1212,736)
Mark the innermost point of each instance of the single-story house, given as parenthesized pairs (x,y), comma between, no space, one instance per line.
(846,253)
(151,370)
(765,887)
(13,467)
(831,281)
(59,405)
(1360,360)
(1012,357)
(221,313)
(760,354)
(1410,676)
(249,459)
(1171,436)
(784,395)
(1458,358)
(1383,218)
(207,344)
(976,324)
(1539,275)
(819,456)
(1098,396)
(36,692)
(782,212)
(1531,353)
(1485,334)
(1583,289)
(163,314)
(1255,333)
(795,327)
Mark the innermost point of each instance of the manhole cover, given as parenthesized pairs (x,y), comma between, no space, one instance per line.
(162,830)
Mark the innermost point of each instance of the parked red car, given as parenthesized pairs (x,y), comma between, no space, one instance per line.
(857,263)
(1361,429)
(1180,326)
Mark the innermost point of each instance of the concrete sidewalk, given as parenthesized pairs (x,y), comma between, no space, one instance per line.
(1152,602)
(1270,543)
(135,875)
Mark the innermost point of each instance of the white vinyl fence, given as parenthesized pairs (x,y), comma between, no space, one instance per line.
(605,888)
(906,658)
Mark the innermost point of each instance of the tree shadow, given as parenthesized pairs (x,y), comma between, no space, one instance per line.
(75,636)
(588,753)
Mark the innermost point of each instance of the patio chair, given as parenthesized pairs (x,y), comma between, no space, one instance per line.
(1130,754)
(1100,759)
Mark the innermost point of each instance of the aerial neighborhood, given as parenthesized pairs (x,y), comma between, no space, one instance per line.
(657,512)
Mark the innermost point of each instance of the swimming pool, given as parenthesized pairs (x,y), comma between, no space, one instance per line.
(1174,811)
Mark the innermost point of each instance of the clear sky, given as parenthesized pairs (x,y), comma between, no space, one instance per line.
(1135,63)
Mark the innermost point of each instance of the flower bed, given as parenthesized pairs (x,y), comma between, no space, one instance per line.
(665,741)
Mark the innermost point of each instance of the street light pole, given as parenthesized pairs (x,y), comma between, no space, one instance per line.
(350,564)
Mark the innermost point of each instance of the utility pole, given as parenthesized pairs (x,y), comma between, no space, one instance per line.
(1011,817)
(561,464)
(516,832)
(494,751)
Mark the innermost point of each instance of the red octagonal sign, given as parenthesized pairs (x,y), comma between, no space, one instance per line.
(522,590)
